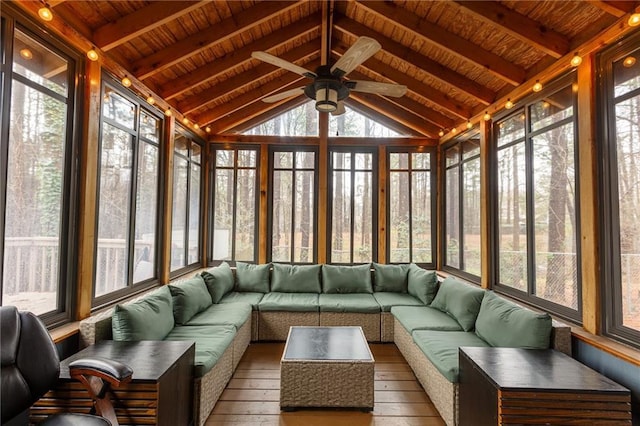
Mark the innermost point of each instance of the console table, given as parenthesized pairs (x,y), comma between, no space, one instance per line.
(160,392)
(503,386)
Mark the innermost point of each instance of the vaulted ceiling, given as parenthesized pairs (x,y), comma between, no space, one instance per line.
(455,57)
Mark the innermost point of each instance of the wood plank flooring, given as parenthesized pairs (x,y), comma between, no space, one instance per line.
(252,397)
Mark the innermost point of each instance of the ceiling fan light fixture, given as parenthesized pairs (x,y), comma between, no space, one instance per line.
(326,99)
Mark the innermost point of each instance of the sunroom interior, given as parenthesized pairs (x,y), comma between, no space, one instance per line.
(137,149)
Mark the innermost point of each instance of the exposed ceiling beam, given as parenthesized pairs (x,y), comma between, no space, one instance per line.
(300,55)
(385,108)
(238,58)
(382,119)
(438,71)
(327,27)
(141,21)
(519,26)
(452,43)
(410,105)
(54,3)
(615,8)
(387,71)
(266,115)
(222,31)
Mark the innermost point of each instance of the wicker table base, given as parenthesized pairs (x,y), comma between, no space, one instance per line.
(326,367)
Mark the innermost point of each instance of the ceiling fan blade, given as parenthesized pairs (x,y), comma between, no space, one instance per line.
(284,95)
(340,110)
(274,60)
(363,49)
(386,89)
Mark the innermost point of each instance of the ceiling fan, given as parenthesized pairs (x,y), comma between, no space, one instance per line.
(329,88)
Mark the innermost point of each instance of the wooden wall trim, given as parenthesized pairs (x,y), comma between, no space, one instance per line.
(609,346)
(323,178)
(485,205)
(167,197)
(263,224)
(89,154)
(315,140)
(382,204)
(592,306)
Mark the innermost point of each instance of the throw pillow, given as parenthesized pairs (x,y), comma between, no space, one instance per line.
(422,284)
(253,278)
(150,318)
(296,278)
(390,278)
(346,279)
(459,300)
(219,281)
(189,298)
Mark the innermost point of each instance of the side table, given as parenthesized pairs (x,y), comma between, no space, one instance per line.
(160,392)
(506,386)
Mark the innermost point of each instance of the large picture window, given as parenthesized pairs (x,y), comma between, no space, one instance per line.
(37,160)
(410,206)
(293,205)
(537,217)
(126,251)
(235,198)
(353,203)
(462,205)
(621,189)
(185,223)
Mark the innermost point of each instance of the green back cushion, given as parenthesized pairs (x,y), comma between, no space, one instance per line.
(296,278)
(189,298)
(150,318)
(422,284)
(346,279)
(502,323)
(461,301)
(390,278)
(219,281)
(253,278)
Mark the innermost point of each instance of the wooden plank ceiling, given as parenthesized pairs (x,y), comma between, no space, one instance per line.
(455,57)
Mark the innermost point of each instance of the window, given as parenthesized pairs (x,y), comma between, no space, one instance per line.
(352,123)
(126,252)
(185,224)
(37,165)
(352,197)
(293,205)
(410,206)
(299,121)
(462,205)
(235,201)
(537,217)
(621,188)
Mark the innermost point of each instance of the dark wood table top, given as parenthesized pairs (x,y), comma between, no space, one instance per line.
(327,343)
(531,369)
(148,359)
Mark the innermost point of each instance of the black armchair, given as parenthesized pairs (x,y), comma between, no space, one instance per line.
(30,368)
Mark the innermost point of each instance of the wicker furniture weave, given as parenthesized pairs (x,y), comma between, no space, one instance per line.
(386,327)
(321,375)
(274,325)
(208,388)
(370,323)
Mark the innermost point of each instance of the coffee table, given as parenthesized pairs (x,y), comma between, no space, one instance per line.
(326,367)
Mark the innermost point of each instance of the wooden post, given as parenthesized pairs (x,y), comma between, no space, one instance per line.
(587,157)
(205,214)
(323,178)
(486,274)
(382,204)
(169,136)
(438,251)
(263,223)
(88,185)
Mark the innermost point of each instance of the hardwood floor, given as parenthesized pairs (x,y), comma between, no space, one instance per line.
(253,394)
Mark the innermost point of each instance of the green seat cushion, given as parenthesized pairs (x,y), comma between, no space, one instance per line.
(388,300)
(235,314)
(243,297)
(461,301)
(189,298)
(415,318)
(252,278)
(296,278)
(503,323)
(353,302)
(150,318)
(346,279)
(422,284)
(219,281)
(211,342)
(390,278)
(289,302)
(441,348)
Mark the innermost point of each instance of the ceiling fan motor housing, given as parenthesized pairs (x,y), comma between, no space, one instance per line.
(326,90)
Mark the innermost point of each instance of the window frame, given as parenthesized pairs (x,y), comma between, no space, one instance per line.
(212,178)
(293,149)
(353,150)
(15,19)
(522,107)
(610,271)
(461,161)
(141,105)
(432,150)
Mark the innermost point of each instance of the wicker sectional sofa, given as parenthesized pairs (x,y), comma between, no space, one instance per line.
(222,310)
